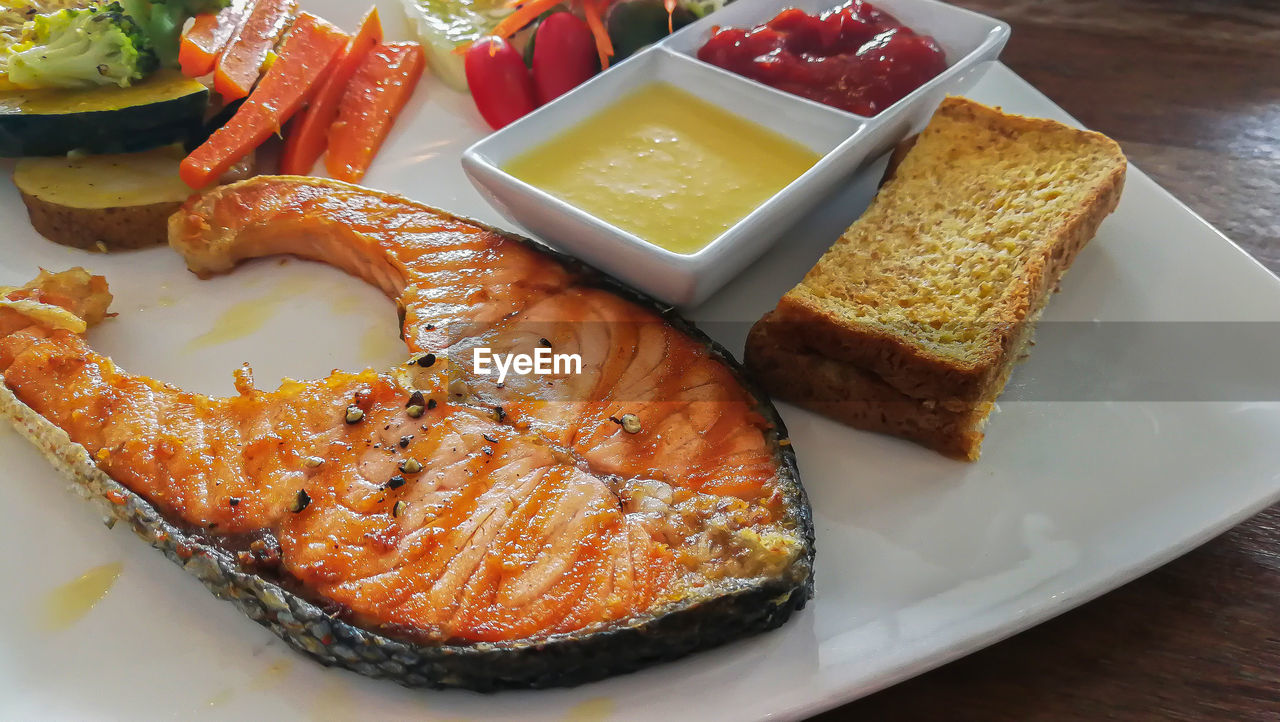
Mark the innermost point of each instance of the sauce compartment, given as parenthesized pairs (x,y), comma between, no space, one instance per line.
(677,278)
(967,39)
(666,166)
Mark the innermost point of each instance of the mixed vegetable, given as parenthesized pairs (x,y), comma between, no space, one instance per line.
(209,33)
(324,90)
(76,48)
(307,53)
(14,14)
(220,77)
(377,93)
(111,43)
(163,108)
(500,83)
(445,26)
(309,134)
(161,22)
(514,55)
(256,34)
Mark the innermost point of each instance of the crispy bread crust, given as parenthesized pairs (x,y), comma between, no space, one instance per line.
(877,380)
(903,363)
(841,391)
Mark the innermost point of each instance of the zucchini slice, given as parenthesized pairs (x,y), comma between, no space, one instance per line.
(165,108)
(103,202)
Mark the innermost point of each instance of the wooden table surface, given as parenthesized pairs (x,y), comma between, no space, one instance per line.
(1191,90)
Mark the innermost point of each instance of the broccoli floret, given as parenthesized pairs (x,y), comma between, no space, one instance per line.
(78,48)
(162,21)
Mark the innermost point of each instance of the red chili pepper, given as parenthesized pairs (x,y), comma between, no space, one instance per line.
(564,55)
(499,81)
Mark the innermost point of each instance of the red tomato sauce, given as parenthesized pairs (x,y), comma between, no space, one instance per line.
(855,57)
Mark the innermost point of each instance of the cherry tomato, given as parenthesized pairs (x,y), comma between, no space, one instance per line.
(564,55)
(499,81)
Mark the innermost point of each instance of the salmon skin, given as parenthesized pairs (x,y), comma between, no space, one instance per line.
(427,523)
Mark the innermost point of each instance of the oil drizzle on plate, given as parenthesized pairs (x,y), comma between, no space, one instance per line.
(67,604)
(271,676)
(380,343)
(345,303)
(221,698)
(595,709)
(247,317)
(334,704)
(164,300)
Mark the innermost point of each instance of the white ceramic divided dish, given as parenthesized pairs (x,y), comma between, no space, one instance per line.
(672,277)
(846,140)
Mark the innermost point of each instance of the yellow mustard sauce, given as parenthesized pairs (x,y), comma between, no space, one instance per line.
(666,166)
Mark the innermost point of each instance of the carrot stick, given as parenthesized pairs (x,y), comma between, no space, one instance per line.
(208,35)
(376,95)
(309,130)
(309,50)
(604,45)
(241,62)
(525,14)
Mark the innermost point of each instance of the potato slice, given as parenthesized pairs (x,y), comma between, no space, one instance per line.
(103,202)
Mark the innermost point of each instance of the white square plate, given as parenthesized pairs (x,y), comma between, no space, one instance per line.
(920,559)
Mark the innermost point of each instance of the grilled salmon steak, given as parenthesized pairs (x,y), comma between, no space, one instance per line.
(439,522)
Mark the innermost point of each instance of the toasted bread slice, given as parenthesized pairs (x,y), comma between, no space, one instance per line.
(844,392)
(928,299)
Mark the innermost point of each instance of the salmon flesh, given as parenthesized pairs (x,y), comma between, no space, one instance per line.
(429,522)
